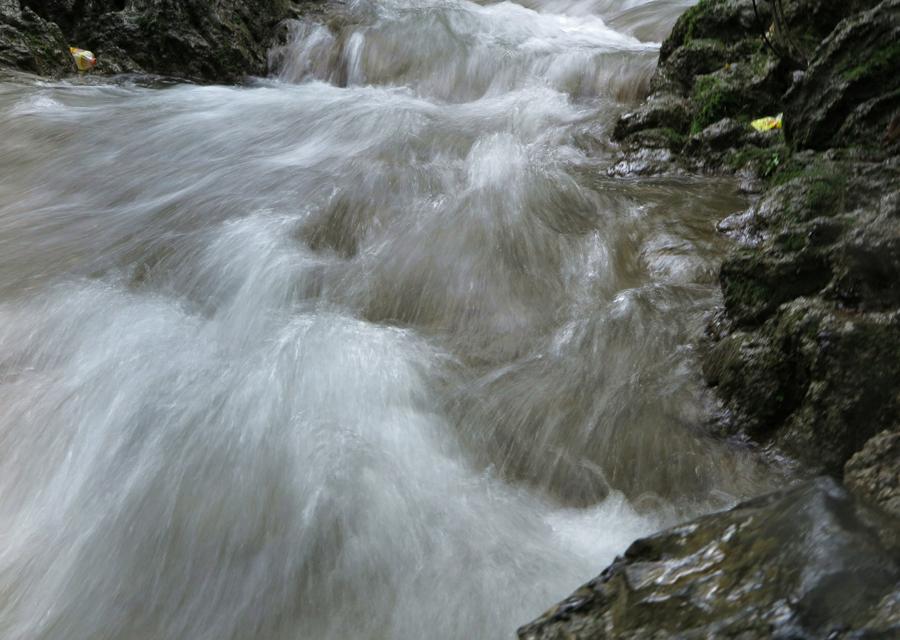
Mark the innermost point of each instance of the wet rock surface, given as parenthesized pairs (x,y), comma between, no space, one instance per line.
(808,562)
(873,473)
(29,43)
(804,354)
(734,60)
(850,95)
(194,39)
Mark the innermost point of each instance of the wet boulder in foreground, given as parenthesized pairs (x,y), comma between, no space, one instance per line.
(807,562)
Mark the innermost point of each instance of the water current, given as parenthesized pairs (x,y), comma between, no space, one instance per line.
(370,348)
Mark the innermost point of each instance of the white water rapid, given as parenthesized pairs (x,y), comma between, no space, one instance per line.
(372,348)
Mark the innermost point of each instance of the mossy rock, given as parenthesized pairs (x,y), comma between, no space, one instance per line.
(221,41)
(742,90)
(762,161)
(30,43)
(698,57)
(727,21)
(665,112)
(851,92)
(754,284)
(660,138)
(853,364)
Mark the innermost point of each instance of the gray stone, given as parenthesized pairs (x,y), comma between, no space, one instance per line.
(808,562)
(873,473)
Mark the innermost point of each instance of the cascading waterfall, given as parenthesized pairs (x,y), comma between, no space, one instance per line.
(369,349)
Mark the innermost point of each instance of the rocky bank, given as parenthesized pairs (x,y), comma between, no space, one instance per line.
(805,353)
(221,41)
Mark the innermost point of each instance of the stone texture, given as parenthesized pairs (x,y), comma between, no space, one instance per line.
(808,356)
(808,562)
(716,65)
(219,41)
(850,95)
(29,43)
(873,473)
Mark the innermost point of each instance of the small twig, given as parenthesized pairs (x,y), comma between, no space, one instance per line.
(782,23)
(762,27)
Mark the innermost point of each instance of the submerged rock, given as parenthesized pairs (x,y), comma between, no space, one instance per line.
(208,41)
(808,562)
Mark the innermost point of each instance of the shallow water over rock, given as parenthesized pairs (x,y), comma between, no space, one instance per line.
(372,348)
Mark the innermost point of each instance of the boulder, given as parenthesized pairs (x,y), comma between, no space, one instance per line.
(807,562)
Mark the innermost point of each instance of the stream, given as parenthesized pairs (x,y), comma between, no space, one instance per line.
(370,348)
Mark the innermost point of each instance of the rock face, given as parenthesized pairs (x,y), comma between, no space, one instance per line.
(212,41)
(805,353)
(851,93)
(717,72)
(809,562)
(29,43)
(808,354)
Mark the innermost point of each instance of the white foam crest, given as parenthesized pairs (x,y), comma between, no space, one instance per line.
(299,483)
(459,50)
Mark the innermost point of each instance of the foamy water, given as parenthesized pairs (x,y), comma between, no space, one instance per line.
(372,348)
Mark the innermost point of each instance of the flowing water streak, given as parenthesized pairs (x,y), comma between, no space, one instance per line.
(368,350)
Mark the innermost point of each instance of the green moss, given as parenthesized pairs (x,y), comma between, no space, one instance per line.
(791,242)
(689,18)
(759,61)
(713,99)
(885,61)
(745,293)
(825,193)
(674,138)
(657,138)
(793,169)
(820,190)
(763,162)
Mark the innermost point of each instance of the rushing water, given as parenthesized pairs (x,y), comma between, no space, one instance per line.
(369,349)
